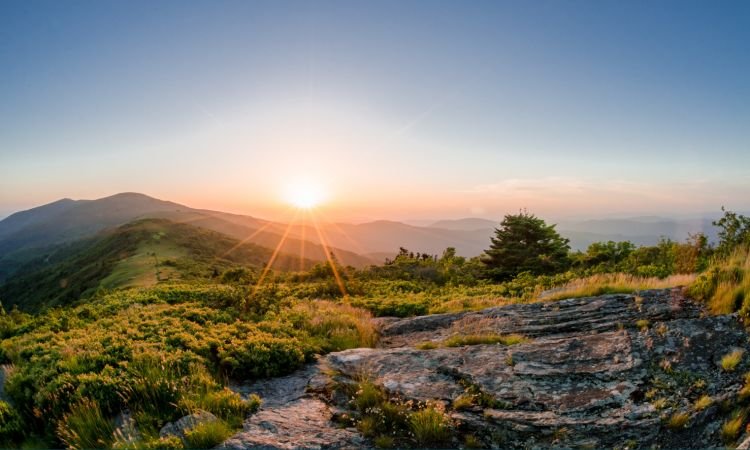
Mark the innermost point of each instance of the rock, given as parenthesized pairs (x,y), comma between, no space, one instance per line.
(125,429)
(183,424)
(587,376)
(293,416)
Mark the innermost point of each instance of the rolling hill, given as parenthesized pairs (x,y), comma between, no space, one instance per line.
(138,254)
(28,235)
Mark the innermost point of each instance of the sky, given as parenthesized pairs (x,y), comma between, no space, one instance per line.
(388,109)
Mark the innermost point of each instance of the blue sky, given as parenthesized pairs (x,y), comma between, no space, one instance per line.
(399,109)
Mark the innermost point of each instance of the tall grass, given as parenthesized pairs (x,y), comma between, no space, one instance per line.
(85,427)
(616,283)
(725,286)
(342,326)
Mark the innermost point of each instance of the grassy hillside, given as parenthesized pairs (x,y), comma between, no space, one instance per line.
(138,254)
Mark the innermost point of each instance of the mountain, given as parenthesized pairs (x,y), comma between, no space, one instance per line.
(468,224)
(27,235)
(137,254)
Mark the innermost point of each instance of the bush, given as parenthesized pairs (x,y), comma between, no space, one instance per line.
(11,425)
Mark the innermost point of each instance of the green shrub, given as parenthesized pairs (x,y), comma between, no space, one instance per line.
(11,425)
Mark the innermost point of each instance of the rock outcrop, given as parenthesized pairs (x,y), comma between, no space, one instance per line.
(605,371)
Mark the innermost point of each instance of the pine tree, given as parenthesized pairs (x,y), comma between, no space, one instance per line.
(525,243)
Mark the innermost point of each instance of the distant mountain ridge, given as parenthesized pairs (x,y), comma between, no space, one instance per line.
(25,234)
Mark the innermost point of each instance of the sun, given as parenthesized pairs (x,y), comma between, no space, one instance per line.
(304,194)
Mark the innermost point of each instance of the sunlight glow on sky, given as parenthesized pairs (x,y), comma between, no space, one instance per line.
(398,110)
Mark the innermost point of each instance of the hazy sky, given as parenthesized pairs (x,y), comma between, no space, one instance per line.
(401,109)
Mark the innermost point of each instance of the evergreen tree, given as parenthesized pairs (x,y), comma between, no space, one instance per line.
(525,243)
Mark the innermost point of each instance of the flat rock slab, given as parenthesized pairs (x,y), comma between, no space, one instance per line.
(586,377)
(291,418)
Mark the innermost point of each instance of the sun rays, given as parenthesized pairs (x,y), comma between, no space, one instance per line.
(304,216)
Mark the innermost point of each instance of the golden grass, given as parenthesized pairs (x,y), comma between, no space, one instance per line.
(725,286)
(703,403)
(678,420)
(732,428)
(731,360)
(617,283)
(484,339)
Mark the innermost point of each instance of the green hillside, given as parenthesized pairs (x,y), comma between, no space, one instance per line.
(139,254)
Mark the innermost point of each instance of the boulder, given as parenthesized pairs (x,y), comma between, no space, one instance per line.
(607,371)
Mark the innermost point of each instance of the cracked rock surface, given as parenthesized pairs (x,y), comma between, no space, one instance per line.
(595,372)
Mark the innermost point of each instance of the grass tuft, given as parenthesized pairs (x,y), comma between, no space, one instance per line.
(678,420)
(702,403)
(430,426)
(731,360)
(484,339)
(207,435)
(85,427)
(731,429)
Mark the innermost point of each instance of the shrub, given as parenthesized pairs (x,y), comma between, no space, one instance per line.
(730,361)
(430,426)
(84,427)
(207,435)
(11,425)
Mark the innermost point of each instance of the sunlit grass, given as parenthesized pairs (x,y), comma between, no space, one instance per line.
(617,283)
(702,403)
(731,360)
(484,339)
(725,286)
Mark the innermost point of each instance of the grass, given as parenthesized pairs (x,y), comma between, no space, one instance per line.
(725,285)
(617,283)
(484,339)
(731,429)
(703,402)
(731,360)
(427,345)
(678,420)
(463,402)
(207,435)
(384,441)
(86,427)
(430,426)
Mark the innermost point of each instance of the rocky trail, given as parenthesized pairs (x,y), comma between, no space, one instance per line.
(594,372)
